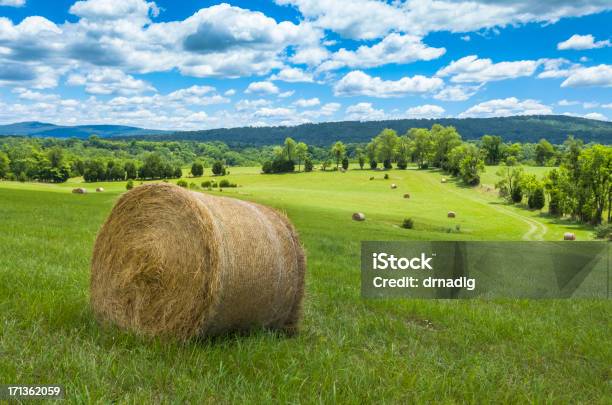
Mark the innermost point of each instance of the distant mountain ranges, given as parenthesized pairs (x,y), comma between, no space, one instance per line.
(532,128)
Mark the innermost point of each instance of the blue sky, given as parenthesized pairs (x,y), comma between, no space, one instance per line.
(204,64)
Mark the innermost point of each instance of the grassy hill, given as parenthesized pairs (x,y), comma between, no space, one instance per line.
(401,351)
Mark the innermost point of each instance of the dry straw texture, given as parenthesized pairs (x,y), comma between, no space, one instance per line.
(168,261)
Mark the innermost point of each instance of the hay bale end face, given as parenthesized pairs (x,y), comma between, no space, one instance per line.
(393,185)
(172,262)
(100,190)
(406,195)
(79,190)
(443,180)
(358,216)
(451,214)
(569,236)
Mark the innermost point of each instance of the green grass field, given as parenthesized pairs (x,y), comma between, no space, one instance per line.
(349,350)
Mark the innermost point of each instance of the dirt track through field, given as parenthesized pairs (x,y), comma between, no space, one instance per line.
(536,230)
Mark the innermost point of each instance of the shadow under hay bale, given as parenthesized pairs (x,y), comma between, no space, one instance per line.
(358,216)
(79,190)
(451,214)
(406,195)
(173,262)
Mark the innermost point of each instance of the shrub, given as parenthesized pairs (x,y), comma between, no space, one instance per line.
(197,169)
(308,165)
(182,183)
(178,172)
(218,168)
(345,163)
(206,184)
(517,195)
(402,164)
(536,199)
(386,176)
(387,164)
(408,223)
(603,231)
(226,183)
(458,228)
(278,165)
(373,164)
(193,186)
(129,185)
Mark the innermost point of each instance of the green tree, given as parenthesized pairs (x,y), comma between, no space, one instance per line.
(360,157)
(4,165)
(443,139)
(345,163)
(218,168)
(536,199)
(197,169)
(338,151)
(301,152)
(289,148)
(130,170)
(386,146)
(422,146)
(308,166)
(371,153)
(544,152)
(510,175)
(492,146)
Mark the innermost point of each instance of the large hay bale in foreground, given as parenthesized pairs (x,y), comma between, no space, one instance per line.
(169,261)
(569,236)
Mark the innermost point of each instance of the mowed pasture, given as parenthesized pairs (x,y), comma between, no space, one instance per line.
(350,349)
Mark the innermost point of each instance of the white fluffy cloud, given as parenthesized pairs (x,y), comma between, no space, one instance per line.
(595,76)
(582,42)
(292,75)
(12,3)
(369,19)
(109,81)
(262,88)
(364,112)
(425,111)
(394,48)
(596,116)
(471,69)
(359,83)
(310,102)
(505,107)
(456,93)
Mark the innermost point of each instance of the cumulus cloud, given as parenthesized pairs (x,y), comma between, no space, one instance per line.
(394,48)
(12,3)
(262,88)
(359,83)
(596,116)
(506,107)
(425,111)
(292,75)
(456,93)
(109,81)
(370,19)
(471,69)
(582,42)
(595,76)
(310,102)
(364,112)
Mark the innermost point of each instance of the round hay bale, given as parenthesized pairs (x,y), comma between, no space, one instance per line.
(79,190)
(358,216)
(451,214)
(100,190)
(569,236)
(443,180)
(406,195)
(342,170)
(172,262)
(393,185)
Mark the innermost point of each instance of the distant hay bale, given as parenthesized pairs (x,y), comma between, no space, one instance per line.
(100,190)
(343,170)
(406,195)
(172,262)
(569,236)
(443,180)
(451,214)
(393,185)
(371,177)
(358,216)
(79,190)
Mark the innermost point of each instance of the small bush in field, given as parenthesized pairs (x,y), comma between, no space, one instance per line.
(386,176)
(408,223)
(206,184)
(182,183)
(129,185)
